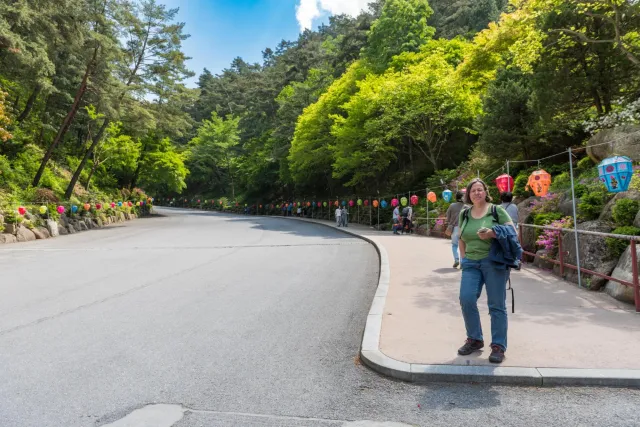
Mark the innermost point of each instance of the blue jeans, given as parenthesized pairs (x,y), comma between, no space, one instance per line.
(475,275)
(455,240)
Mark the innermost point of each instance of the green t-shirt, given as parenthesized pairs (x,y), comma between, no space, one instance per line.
(476,248)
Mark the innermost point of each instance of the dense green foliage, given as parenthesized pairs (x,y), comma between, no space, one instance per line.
(409,94)
(618,246)
(624,212)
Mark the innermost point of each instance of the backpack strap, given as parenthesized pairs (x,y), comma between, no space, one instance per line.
(494,213)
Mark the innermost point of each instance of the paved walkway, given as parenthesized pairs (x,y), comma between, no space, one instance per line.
(555,324)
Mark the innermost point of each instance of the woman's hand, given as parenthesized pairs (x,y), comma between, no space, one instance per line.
(487,235)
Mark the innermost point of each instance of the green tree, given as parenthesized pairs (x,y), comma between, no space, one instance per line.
(401,27)
(212,151)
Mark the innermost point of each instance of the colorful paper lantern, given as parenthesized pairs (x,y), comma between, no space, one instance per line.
(432,197)
(74,209)
(344,203)
(98,206)
(325,204)
(366,203)
(447,195)
(539,182)
(113,205)
(394,203)
(384,204)
(351,203)
(87,206)
(42,210)
(359,202)
(505,183)
(60,209)
(119,204)
(130,204)
(616,173)
(404,201)
(319,204)
(138,204)
(376,203)
(22,210)
(414,200)
(308,204)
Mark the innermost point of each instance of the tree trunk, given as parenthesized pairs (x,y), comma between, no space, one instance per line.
(93,169)
(66,123)
(30,102)
(83,162)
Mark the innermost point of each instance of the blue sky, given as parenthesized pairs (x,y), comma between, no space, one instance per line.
(224,29)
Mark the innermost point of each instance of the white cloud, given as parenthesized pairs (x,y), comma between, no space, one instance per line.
(308,10)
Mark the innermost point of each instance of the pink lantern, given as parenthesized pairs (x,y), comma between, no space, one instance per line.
(394,202)
(366,203)
(351,203)
(22,210)
(198,200)
(414,200)
(113,205)
(60,209)
(319,204)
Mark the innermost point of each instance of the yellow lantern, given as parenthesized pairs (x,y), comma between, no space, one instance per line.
(43,209)
(539,182)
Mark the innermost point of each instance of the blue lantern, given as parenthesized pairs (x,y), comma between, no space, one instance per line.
(616,173)
(384,203)
(120,204)
(344,203)
(447,195)
(74,209)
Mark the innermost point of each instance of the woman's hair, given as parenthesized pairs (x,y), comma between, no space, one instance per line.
(467,196)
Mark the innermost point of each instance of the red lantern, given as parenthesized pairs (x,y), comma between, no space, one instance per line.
(22,210)
(432,197)
(505,183)
(366,203)
(130,204)
(539,182)
(98,206)
(414,200)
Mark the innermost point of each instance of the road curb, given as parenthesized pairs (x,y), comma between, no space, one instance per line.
(375,359)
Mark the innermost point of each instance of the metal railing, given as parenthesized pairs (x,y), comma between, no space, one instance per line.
(633,240)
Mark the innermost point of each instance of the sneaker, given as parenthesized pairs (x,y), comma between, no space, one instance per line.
(456,264)
(497,354)
(470,346)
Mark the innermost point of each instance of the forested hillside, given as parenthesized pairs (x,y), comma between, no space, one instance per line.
(406,94)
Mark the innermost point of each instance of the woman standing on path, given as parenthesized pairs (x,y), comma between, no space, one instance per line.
(478,270)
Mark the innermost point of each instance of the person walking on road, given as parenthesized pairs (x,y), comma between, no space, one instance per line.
(478,270)
(345,217)
(338,217)
(512,210)
(396,219)
(453,213)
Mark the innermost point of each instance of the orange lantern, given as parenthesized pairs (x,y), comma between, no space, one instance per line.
(505,183)
(375,203)
(539,182)
(432,197)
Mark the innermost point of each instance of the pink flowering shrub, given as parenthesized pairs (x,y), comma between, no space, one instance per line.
(547,203)
(548,240)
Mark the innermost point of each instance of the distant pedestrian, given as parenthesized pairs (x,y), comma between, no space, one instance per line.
(477,231)
(396,220)
(299,211)
(345,217)
(338,217)
(512,210)
(407,215)
(453,213)
(290,209)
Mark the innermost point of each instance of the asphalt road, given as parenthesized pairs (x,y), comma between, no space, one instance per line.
(197,319)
